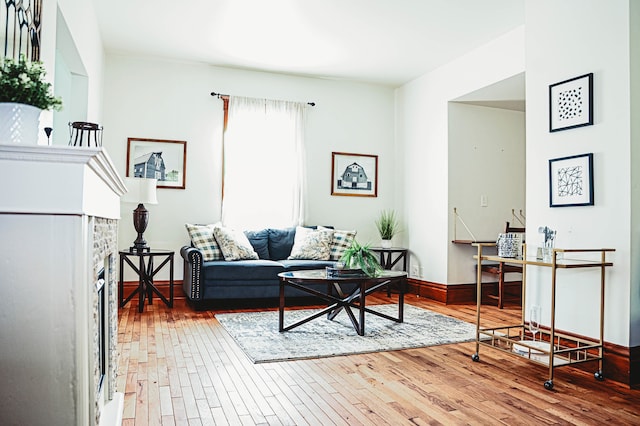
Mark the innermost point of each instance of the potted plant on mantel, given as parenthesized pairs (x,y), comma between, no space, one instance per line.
(388,226)
(23,95)
(361,257)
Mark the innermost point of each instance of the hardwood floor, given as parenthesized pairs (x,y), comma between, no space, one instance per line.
(179,367)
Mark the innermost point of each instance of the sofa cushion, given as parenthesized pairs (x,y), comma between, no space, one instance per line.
(281,242)
(245,270)
(202,238)
(314,244)
(234,244)
(342,240)
(260,242)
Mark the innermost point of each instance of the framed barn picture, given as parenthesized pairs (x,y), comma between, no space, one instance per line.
(354,174)
(160,159)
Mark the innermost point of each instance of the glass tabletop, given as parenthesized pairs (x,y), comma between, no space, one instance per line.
(321,274)
(149,252)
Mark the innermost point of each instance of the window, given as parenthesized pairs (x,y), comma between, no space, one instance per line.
(263,161)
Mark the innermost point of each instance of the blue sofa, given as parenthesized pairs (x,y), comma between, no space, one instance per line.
(245,279)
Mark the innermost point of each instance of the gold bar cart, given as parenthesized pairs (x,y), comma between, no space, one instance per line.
(566,349)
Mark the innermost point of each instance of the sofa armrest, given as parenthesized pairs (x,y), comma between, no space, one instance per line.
(192,276)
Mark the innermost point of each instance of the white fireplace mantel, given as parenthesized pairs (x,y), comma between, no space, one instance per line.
(59,180)
(59,208)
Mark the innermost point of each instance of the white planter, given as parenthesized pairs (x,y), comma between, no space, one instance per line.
(386,244)
(19,123)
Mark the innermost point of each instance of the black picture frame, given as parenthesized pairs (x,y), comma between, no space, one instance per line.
(571,103)
(571,181)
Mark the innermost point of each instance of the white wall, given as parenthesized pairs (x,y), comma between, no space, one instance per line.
(81,21)
(634,50)
(422,130)
(158,99)
(73,22)
(486,158)
(71,83)
(563,40)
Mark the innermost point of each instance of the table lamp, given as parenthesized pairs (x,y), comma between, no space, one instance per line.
(141,191)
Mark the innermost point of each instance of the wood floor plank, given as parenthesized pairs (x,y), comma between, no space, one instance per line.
(154,403)
(279,412)
(179,410)
(166,407)
(168,421)
(190,406)
(205,412)
(132,381)
(142,403)
(162,371)
(129,409)
(180,367)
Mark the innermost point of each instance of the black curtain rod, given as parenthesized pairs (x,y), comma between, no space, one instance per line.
(220,95)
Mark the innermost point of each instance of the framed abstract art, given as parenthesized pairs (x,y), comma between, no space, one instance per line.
(571,103)
(571,181)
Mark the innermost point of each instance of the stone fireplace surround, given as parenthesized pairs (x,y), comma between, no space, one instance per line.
(105,251)
(58,221)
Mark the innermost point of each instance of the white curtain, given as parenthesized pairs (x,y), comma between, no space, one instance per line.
(263,164)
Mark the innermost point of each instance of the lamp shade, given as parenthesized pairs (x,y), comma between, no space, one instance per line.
(140,190)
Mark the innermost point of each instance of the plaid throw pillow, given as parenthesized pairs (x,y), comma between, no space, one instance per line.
(341,241)
(202,238)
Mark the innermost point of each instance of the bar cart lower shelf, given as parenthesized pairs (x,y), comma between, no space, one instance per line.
(513,339)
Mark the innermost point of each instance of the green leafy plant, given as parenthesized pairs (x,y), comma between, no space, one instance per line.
(387,224)
(361,257)
(23,82)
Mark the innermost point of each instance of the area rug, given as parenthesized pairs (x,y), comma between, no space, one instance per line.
(258,336)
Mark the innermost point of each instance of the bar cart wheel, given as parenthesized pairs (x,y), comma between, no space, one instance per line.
(475,357)
(548,385)
(598,375)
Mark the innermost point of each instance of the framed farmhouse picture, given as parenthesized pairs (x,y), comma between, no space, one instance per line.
(571,181)
(159,159)
(571,103)
(354,174)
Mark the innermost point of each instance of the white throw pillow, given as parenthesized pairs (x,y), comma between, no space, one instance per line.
(312,244)
(202,238)
(234,244)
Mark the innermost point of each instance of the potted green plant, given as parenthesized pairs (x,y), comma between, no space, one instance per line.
(388,225)
(24,93)
(359,256)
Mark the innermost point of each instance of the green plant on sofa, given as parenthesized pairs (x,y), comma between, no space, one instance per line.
(359,256)
(387,224)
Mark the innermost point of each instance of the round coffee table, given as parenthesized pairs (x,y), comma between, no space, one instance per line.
(337,298)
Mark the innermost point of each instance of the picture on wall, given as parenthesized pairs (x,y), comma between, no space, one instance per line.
(354,174)
(571,181)
(571,103)
(160,159)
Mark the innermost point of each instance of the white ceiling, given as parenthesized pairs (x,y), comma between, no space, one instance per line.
(377,41)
